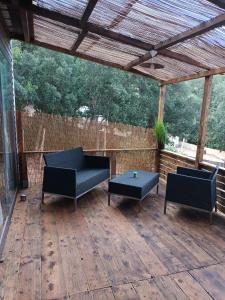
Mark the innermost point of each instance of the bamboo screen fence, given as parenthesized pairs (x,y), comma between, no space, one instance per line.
(129,147)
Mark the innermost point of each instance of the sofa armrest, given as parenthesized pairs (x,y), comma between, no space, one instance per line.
(192,191)
(59,181)
(99,162)
(193,172)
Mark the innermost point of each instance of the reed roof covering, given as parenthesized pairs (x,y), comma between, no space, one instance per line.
(186,37)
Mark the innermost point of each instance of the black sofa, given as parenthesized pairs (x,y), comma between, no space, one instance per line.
(192,187)
(70,173)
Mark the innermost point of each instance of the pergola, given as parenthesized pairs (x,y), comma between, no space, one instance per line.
(168,41)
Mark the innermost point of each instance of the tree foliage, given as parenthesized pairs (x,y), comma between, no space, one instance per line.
(56,83)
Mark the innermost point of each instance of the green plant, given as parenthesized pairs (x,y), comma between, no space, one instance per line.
(160,133)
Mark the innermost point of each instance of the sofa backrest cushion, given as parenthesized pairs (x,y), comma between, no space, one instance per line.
(72,159)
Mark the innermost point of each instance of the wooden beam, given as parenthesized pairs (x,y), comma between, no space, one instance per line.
(196,76)
(138,61)
(219,3)
(118,19)
(89,9)
(3,24)
(162,93)
(27,25)
(90,27)
(183,58)
(123,14)
(198,30)
(203,120)
(170,54)
(92,59)
(193,32)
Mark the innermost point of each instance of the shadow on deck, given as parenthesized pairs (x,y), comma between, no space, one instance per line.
(116,252)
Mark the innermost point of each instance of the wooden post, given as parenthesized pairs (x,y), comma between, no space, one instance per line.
(162,92)
(22,157)
(203,120)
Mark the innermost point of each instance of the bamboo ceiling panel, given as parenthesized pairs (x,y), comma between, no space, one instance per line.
(73,8)
(153,21)
(54,33)
(108,50)
(115,32)
(208,48)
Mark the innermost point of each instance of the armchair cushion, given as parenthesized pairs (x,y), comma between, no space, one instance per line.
(193,172)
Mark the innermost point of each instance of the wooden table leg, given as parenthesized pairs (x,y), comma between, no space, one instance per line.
(109,199)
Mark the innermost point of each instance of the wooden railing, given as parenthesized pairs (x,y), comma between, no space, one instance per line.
(168,162)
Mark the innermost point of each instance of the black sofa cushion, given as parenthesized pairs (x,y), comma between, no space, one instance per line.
(72,159)
(88,178)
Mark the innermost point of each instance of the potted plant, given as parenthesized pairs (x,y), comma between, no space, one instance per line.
(160,134)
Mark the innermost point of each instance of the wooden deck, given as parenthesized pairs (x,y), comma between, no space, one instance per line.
(116,252)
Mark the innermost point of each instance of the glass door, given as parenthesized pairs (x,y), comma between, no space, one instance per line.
(8,156)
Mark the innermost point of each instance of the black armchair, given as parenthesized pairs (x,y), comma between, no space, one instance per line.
(191,187)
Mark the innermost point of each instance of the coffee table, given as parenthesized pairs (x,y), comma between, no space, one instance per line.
(134,188)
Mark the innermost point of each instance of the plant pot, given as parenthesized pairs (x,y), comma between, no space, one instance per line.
(161,146)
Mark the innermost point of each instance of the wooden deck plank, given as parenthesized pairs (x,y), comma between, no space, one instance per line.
(190,286)
(148,257)
(9,269)
(92,264)
(30,263)
(53,277)
(102,252)
(100,294)
(212,279)
(165,247)
(169,289)
(197,226)
(128,262)
(125,292)
(75,277)
(199,256)
(148,290)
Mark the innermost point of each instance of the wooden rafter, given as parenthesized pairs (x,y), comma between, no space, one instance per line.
(182,58)
(198,30)
(3,24)
(193,32)
(170,54)
(90,27)
(119,18)
(196,75)
(123,14)
(27,24)
(92,59)
(84,19)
